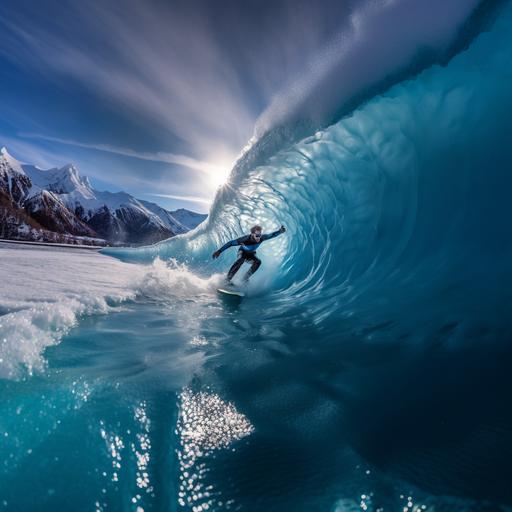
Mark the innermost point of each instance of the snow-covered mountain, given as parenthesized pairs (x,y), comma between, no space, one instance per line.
(187,218)
(61,201)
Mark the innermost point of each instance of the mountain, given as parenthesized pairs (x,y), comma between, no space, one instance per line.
(187,218)
(59,204)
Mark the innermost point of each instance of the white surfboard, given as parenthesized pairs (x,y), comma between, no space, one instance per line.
(234,292)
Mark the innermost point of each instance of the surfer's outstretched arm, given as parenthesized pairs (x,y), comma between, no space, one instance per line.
(268,236)
(231,243)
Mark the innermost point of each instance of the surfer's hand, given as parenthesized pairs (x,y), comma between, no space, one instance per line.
(282,229)
(215,255)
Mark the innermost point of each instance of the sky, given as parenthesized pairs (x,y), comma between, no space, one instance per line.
(158,98)
(154,98)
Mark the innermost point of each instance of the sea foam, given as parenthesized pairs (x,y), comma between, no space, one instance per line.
(44,293)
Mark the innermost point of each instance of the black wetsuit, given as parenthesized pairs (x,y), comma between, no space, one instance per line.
(247,252)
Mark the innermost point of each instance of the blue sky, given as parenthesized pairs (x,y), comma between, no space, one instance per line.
(158,98)
(155,98)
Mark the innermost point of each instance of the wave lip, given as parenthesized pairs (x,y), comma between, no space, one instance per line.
(379,42)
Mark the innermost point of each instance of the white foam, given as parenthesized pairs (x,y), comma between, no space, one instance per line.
(45,291)
(170,280)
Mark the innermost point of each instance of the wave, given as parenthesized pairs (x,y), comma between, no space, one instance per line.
(400,208)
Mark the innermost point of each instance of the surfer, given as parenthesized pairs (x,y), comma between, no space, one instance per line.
(247,252)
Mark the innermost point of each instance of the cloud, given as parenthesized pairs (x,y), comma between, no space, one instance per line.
(145,62)
(159,156)
(199,72)
(31,154)
(192,199)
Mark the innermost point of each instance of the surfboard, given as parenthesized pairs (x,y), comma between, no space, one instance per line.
(233,292)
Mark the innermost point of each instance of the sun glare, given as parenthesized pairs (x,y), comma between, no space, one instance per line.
(220,177)
(218,172)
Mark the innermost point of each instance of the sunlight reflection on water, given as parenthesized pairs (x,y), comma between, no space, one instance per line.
(206,423)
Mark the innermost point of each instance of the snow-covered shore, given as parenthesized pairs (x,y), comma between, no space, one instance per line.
(49,244)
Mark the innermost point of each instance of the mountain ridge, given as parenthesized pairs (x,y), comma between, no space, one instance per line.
(59,204)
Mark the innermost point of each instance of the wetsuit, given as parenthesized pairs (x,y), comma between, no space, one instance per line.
(247,252)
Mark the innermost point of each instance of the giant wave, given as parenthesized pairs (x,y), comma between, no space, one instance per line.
(400,209)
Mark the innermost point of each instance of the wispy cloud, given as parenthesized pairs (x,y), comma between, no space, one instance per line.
(160,156)
(192,199)
(145,61)
(32,154)
(201,73)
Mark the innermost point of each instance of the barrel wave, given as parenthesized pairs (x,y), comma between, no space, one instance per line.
(400,209)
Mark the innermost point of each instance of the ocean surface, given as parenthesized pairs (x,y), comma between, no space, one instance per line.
(137,387)
(368,367)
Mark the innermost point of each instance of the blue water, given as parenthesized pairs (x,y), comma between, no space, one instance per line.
(368,367)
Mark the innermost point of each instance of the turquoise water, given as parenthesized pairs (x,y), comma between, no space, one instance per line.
(250,413)
(367,368)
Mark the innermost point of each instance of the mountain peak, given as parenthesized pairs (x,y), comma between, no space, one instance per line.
(14,164)
(6,153)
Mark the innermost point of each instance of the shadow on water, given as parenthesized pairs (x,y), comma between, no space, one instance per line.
(230,303)
(350,417)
